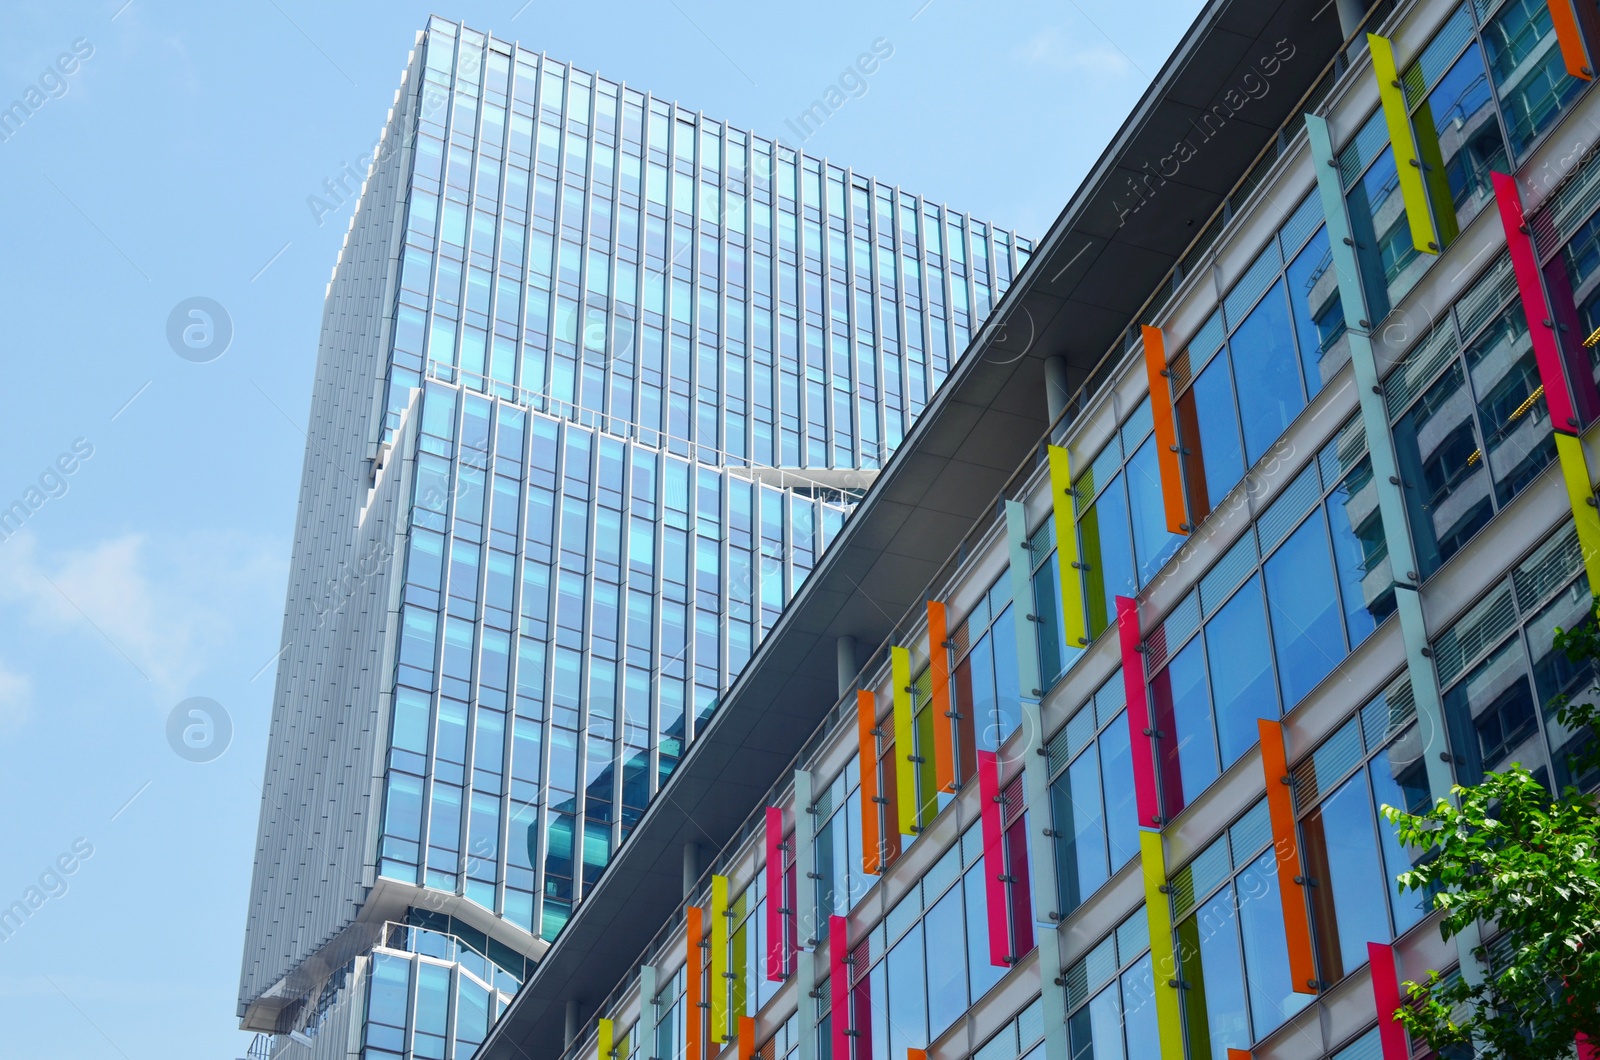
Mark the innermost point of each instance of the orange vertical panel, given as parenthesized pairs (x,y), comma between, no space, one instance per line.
(1238,1054)
(693,1018)
(747,1037)
(1155,368)
(1291,873)
(1569,35)
(867,749)
(944,748)
(916,1054)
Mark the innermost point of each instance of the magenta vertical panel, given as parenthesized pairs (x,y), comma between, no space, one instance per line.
(775,896)
(1144,762)
(1021,891)
(1546,354)
(1586,1049)
(839,985)
(1386,998)
(994,859)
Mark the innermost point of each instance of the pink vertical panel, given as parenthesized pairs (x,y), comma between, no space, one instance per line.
(1586,1048)
(994,860)
(1386,998)
(839,986)
(1526,266)
(776,917)
(1144,762)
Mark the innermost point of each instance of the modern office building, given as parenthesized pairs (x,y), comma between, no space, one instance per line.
(599,379)
(1251,509)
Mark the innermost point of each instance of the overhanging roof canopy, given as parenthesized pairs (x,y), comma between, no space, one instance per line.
(1231,83)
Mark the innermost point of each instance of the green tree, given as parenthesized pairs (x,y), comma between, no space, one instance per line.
(1525,865)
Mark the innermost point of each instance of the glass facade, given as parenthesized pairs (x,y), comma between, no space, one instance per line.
(1034,911)
(608,317)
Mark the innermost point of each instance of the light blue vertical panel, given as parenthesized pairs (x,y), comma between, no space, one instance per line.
(1036,784)
(1385,477)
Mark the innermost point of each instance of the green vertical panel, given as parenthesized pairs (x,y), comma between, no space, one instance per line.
(905,741)
(1407,159)
(1064,509)
(719,961)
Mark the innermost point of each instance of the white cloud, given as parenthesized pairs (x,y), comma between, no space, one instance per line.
(16,697)
(168,607)
(1055,49)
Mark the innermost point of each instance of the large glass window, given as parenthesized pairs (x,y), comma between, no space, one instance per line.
(1096,820)
(1111,1006)
(1500,671)
(1373,760)
(1230,938)
(1454,408)
(1529,76)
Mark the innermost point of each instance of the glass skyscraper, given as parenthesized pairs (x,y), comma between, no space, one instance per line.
(599,380)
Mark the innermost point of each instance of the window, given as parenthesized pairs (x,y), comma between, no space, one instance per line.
(1460,408)
(1277,340)
(1235,965)
(1271,633)
(1111,1006)
(1351,852)
(1529,76)
(1094,815)
(1500,670)
(985,675)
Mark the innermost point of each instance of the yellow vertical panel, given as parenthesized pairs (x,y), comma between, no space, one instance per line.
(1580,490)
(905,741)
(719,960)
(1073,621)
(1158,915)
(1407,160)
(607,1034)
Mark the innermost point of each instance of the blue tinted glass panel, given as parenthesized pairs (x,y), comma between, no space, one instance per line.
(1318,314)
(1306,629)
(1360,553)
(1183,711)
(1266,373)
(1153,545)
(1266,954)
(1242,687)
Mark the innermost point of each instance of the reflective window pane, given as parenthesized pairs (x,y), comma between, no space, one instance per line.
(1265,373)
(1242,684)
(1446,489)
(1304,604)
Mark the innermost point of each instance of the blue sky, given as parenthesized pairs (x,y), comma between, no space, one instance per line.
(176,160)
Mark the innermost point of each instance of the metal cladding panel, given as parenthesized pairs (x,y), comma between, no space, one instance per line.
(1155,368)
(1580,491)
(1163,958)
(1022,615)
(1386,998)
(1407,160)
(1064,506)
(839,985)
(719,960)
(1546,353)
(1569,35)
(905,741)
(871,799)
(693,1021)
(805,961)
(1291,873)
(1139,731)
(777,900)
(944,750)
(747,1037)
(994,860)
